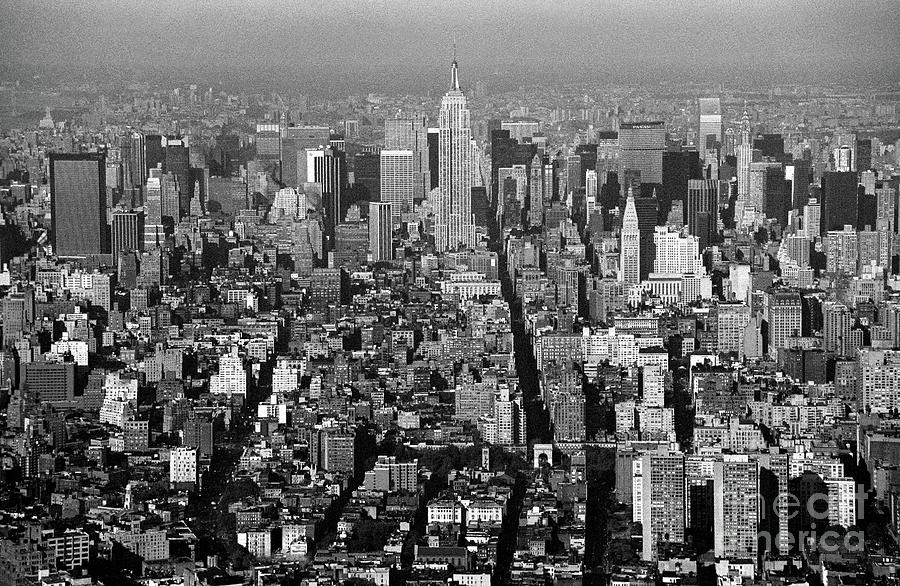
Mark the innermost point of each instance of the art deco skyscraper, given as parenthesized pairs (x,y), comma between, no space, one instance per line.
(744,157)
(630,246)
(454,224)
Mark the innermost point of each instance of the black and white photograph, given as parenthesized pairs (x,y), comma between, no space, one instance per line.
(449,293)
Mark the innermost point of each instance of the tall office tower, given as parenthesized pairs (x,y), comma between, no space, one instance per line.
(702,196)
(178,163)
(268,142)
(154,152)
(587,153)
(676,253)
(608,154)
(397,181)
(679,167)
(662,501)
(410,133)
(381,231)
(744,157)
(326,168)
(843,159)
(153,225)
(641,147)
(295,140)
(863,154)
(536,192)
(630,246)
(78,204)
(730,142)
(776,192)
(736,509)
(134,172)
(840,205)
(798,174)
(785,318)
(548,182)
(127,232)
(17,314)
(454,224)
(647,214)
(812,218)
(591,193)
(838,322)
(367,173)
(710,125)
(886,215)
(170,196)
(573,174)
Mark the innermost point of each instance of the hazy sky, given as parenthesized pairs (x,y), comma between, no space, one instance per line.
(380,44)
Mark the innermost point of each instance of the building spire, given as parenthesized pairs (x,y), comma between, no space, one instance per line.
(454,72)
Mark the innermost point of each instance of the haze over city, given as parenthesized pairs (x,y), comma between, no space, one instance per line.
(352,45)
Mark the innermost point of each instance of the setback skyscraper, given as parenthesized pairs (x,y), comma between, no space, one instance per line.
(454,223)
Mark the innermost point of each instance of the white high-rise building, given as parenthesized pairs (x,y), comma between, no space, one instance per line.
(397,181)
(812,218)
(676,253)
(410,132)
(630,246)
(590,192)
(454,223)
(289,203)
(381,231)
(710,123)
(183,465)
(231,379)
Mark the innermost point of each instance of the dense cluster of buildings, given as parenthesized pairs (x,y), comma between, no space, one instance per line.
(514,340)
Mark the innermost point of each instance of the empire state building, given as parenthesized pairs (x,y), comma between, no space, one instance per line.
(454,223)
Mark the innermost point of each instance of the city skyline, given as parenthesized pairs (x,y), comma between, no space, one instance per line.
(388,293)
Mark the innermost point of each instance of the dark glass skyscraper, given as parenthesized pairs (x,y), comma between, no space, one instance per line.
(178,163)
(641,149)
(839,200)
(154,152)
(78,204)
